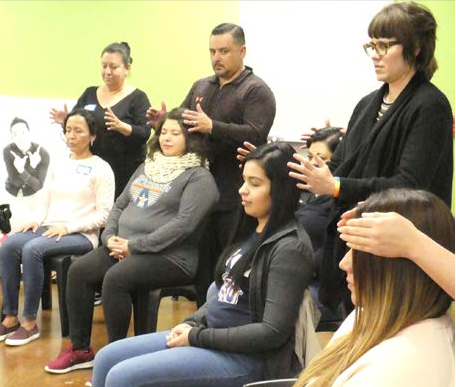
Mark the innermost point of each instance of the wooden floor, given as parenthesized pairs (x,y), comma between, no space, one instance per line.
(23,366)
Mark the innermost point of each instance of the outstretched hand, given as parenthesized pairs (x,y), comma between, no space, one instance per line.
(242,152)
(197,120)
(154,115)
(58,116)
(317,179)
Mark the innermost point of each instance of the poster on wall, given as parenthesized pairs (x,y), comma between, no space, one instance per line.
(30,145)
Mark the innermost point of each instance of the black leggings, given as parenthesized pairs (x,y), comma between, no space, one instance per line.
(120,280)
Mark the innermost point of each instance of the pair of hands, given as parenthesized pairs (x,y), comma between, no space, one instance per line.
(19,162)
(318,180)
(197,120)
(111,120)
(118,248)
(386,234)
(178,337)
(53,231)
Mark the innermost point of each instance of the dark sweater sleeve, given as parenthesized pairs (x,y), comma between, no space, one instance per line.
(140,130)
(259,113)
(199,196)
(289,274)
(427,143)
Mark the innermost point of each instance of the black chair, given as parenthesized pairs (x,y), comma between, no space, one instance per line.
(272,383)
(60,264)
(147,303)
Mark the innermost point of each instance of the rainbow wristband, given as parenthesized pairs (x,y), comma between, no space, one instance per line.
(337,187)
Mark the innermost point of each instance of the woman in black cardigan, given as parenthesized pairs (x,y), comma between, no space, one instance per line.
(398,136)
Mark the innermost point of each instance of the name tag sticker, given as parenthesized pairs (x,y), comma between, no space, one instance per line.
(90,107)
(83,169)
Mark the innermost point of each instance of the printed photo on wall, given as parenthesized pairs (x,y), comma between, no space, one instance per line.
(26,162)
(31,144)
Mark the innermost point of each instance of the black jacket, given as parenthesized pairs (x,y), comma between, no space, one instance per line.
(281,270)
(410,147)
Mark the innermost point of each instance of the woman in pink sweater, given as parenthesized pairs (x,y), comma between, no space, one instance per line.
(79,200)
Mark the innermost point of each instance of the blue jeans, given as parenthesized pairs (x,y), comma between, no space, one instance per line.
(146,361)
(30,249)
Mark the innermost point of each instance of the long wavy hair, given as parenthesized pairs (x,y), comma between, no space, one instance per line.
(392,294)
(273,158)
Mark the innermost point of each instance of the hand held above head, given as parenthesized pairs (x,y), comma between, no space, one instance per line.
(317,179)
(58,116)
(242,152)
(383,234)
(154,116)
(198,120)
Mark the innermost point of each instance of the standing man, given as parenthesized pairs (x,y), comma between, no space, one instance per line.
(232,106)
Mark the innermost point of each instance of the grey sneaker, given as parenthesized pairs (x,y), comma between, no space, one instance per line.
(23,336)
(6,332)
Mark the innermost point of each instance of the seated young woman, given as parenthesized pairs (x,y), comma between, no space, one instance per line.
(245,331)
(81,194)
(150,239)
(398,335)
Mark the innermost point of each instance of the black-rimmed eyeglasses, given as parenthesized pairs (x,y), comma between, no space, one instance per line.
(381,48)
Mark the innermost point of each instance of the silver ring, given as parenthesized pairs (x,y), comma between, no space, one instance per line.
(195,123)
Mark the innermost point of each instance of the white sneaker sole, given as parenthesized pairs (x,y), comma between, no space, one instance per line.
(16,343)
(80,366)
(4,337)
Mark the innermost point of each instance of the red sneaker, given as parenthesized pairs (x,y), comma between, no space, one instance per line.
(70,360)
(89,382)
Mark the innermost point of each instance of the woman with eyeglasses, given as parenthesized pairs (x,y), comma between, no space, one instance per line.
(398,136)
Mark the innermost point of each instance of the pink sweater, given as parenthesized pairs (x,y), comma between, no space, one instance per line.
(421,355)
(81,196)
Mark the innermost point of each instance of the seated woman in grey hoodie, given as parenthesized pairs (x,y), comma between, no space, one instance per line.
(246,330)
(150,240)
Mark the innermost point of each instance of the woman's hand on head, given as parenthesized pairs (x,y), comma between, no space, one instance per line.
(58,116)
(29,226)
(318,180)
(56,231)
(178,337)
(386,234)
(242,152)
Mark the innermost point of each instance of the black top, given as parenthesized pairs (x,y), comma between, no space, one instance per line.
(411,146)
(123,153)
(281,270)
(241,110)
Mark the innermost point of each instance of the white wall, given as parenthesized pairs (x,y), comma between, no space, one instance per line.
(310,54)
(36,112)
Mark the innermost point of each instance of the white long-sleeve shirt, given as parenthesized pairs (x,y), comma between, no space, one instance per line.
(81,196)
(421,355)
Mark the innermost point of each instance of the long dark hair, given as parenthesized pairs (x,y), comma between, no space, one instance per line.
(195,142)
(273,158)
(391,293)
